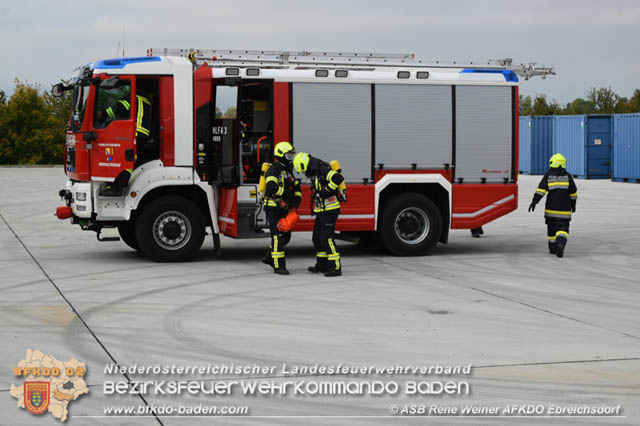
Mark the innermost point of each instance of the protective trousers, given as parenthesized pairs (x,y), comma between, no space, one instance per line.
(279,239)
(557,233)
(327,255)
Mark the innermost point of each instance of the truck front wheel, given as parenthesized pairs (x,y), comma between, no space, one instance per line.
(127,231)
(170,229)
(411,224)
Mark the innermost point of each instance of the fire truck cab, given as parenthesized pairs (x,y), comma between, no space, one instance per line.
(423,148)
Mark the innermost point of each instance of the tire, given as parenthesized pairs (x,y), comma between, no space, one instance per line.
(170,229)
(127,231)
(410,225)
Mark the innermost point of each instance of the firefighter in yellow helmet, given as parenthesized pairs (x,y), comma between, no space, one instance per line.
(562,194)
(325,197)
(282,194)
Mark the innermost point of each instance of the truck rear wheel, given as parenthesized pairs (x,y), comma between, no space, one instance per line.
(127,233)
(411,224)
(170,229)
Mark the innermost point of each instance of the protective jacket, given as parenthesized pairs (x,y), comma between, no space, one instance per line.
(561,192)
(282,188)
(324,188)
(143,119)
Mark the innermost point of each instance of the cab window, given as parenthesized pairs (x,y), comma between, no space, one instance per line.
(113,102)
(80,95)
(226,101)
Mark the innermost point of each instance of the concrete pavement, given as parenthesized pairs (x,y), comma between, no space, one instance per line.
(536,329)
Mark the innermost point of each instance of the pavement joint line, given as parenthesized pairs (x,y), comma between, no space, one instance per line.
(73,309)
(528,305)
(579,361)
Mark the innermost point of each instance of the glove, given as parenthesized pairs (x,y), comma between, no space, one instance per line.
(532,207)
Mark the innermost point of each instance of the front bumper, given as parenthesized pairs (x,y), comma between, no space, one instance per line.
(81,202)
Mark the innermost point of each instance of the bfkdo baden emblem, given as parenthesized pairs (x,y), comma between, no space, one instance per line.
(36,396)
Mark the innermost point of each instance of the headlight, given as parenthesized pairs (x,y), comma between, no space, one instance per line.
(81,196)
(81,208)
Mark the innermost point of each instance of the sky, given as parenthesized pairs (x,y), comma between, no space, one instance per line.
(589,43)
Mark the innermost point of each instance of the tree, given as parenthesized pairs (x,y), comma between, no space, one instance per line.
(542,107)
(634,102)
(579,106)
(526,107)
(604,99)
(33,126)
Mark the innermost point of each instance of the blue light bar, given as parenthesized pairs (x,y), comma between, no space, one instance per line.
(508,74)
(120,63)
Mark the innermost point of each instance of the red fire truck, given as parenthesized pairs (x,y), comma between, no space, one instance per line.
(424,148)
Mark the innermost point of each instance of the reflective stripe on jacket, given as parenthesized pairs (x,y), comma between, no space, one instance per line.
(561,192)
(282,189)
(143,116)
(325,189)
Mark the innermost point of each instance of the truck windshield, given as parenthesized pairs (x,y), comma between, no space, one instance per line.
(80,95)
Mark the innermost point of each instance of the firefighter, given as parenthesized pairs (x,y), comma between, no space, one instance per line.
(562,195)
(144,142)
(325,198)
(282,194)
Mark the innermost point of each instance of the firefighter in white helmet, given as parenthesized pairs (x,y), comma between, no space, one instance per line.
(282,195)
(325,197)
(562,194)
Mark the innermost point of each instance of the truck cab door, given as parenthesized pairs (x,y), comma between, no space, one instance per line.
(113,129)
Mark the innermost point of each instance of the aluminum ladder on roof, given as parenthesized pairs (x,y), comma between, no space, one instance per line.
(274,58)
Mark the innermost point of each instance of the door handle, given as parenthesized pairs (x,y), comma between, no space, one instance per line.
(128,155)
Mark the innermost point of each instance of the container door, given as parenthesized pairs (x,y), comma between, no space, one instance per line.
(113,128)
(599,147)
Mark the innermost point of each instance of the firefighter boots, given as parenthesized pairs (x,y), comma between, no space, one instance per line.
(321,264)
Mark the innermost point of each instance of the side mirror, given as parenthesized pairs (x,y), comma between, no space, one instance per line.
(59,89)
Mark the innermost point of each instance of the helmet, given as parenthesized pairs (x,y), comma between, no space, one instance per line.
(283,151)
(558,160)
(301,162)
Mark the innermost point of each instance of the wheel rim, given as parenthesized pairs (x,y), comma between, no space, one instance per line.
(412,225)
(172,230)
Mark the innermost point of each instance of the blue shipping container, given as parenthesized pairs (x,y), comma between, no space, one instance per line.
(524,147)
(626,147)
(599,135)
(541,144)
(570,139)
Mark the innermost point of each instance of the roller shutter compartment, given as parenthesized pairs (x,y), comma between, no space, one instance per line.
(332,121)
(413,126)
(483,133)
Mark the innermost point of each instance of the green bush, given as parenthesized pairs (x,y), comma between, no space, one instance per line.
(33,126)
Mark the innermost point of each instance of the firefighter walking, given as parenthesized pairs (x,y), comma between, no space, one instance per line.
(562,194)
(327,191)
(282,195)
